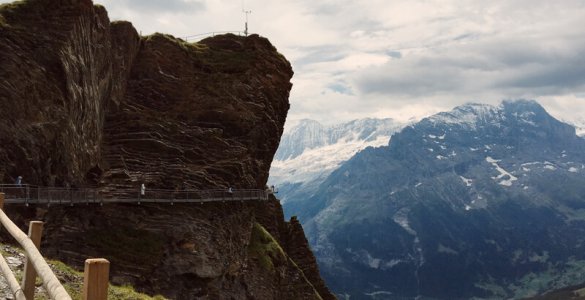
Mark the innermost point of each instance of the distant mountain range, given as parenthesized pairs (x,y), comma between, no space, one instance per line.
(483,202)
(309,152)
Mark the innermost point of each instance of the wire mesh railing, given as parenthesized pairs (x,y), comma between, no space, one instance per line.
(32,194)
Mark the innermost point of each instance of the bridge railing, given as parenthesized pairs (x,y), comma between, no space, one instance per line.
(31,194)
(96,273)
(34,258)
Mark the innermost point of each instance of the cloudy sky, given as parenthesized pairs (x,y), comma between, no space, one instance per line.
(399,58)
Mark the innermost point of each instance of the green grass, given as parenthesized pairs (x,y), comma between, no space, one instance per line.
(12,5)
(265,248)
(532,284)
(72,281)
(12,10)
(228,61)
(189,47)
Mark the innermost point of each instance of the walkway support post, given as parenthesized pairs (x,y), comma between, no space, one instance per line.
(7,272)
(35,231)
(96,279)
(50,281)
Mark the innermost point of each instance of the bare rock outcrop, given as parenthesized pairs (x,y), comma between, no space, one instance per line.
(200,115)
(59,64)
(214,250)
(87,102)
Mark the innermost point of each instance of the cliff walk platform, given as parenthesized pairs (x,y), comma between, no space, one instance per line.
(39,195)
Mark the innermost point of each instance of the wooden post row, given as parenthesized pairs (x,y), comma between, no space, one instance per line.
(96,279)
(35,231)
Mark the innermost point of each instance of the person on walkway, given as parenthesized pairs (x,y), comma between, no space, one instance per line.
(142,189)
(19,180)
(230,190)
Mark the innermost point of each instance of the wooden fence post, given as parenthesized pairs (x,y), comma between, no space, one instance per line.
(96,279)
(35,231)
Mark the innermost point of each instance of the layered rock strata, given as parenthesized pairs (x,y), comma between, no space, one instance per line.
(87,102)
(187,251)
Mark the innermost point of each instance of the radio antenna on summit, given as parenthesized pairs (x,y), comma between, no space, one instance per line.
(247,12)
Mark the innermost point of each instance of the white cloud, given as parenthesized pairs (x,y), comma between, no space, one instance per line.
(400,58)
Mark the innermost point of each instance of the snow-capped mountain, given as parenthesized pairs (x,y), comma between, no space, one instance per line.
(482,202)
(580,127)
(309,152)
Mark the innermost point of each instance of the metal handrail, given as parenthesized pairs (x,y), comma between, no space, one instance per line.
(50,281)
(32,194)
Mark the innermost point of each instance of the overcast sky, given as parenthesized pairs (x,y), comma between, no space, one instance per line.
(401,58)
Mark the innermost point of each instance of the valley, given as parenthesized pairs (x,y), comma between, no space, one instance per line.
(479,202)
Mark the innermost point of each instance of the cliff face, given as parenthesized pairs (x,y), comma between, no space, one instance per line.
(206,114)
(86,102)
(59,66)
(89,102)
(186,251)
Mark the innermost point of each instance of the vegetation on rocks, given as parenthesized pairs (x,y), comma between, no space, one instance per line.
(71,279)
(265,248)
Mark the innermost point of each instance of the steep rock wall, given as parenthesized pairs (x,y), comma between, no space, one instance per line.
(187,251)
(86,102)
(201,115)
(58,65)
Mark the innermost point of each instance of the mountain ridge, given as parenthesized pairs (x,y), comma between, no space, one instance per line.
(301,163)
(438,199)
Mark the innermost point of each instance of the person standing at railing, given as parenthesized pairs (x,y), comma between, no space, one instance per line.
(19,181)
(142,190)
(230,192)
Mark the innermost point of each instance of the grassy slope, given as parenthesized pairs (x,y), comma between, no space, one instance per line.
(72,280)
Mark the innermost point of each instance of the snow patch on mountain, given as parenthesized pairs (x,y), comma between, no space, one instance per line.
(579,125)
(401,218)
(506,178)
(467,181)
(469,115)
(319,162)
(309,151)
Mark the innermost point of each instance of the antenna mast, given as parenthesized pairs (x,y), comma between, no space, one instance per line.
(247,12)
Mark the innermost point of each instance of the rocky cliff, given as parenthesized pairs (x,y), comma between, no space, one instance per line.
(187,251)
(87,102)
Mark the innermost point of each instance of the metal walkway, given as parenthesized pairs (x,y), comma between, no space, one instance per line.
(32,194)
